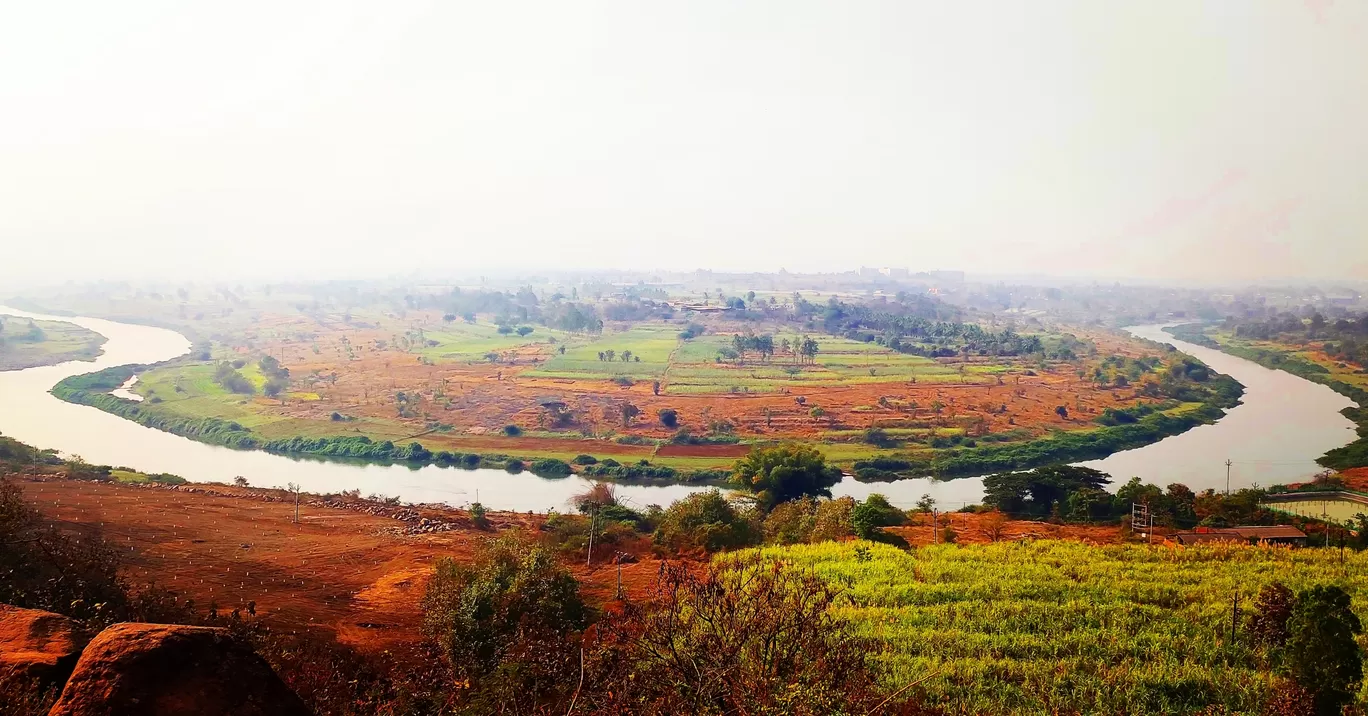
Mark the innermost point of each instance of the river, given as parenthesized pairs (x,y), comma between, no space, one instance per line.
(1284,424)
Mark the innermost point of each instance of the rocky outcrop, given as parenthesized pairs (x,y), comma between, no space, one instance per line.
(38,645)
(170,670)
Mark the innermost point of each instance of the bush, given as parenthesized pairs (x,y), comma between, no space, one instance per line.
(506,622)
(512,431)
(791,522)
(833,520)
(50,569)
(585,460)
(1323,656)
(705,521)
(867,517)
(669,417)
(746,636)
(513,467)
(550,467)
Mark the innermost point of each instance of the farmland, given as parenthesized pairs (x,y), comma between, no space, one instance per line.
(25,343)
(1047,626)
(534,377)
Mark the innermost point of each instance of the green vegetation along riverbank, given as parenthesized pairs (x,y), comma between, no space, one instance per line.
(1309,360)
(26,343)
(1189,395)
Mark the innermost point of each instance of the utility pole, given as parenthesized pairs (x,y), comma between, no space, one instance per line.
(1228,464)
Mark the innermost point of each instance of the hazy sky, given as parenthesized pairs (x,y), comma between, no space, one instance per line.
(1153,138)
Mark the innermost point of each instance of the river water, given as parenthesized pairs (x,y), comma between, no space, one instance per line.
(1284,424)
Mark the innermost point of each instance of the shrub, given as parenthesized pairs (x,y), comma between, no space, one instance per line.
(867,517)
(550,467)
(705,521)
(506,622)
(585,460)
(1323,656)
(790,522)
(833,521)
(746,636)
(513,467)
(512,431)
(669,417)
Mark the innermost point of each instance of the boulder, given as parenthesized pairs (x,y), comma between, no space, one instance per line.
(168,670)
(38,645)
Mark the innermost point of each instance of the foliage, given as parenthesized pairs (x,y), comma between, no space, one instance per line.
(867,517)
(1037,492)
(45,567)
(1323,656)
(784,472)
(668,417)
(705,521)
(746,636)
(507,622)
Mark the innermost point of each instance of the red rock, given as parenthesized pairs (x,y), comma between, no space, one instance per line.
(165,670)
(36,644)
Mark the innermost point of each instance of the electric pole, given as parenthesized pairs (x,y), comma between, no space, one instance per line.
(1228,464)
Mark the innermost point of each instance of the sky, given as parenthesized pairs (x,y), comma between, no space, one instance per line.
(1164,139)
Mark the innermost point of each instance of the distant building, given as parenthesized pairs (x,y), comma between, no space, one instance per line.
(1246,534)
(894,272)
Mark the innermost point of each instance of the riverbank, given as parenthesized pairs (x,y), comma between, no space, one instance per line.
(1195,398)
(1305,365)
(26,343)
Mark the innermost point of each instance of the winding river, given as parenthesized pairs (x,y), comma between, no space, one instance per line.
(1284,424)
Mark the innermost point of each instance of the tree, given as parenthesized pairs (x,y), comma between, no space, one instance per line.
(655,387)
(629,411)
(1322,655)
(1037,491)
(784,472)
(1062,412)
(524,330)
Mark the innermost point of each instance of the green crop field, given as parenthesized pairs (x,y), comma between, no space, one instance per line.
(692,367)
(1049,627)
(460,341)
(652,344)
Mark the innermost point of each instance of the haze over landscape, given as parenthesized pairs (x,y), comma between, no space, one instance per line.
(640,359)
(1160,140)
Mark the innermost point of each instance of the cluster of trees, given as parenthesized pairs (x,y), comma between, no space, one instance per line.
(226,375)
(1073,493)
(800,349)
(610,355)
(277,376)
(921,335)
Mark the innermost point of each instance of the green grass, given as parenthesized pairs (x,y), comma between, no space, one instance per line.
(460,341)
(652,343)
(1040,627)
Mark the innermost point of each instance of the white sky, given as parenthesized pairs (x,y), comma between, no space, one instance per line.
(1146,138)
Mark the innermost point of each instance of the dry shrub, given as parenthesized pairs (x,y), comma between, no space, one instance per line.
(747,636)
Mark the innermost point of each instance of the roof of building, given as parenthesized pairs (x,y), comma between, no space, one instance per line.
(1240,533)
(1268,532)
